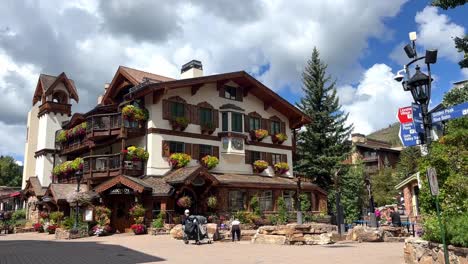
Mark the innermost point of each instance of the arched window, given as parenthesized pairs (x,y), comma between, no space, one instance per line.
(60,97)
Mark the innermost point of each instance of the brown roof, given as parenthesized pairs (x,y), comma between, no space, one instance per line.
(243,180)
(138,75)
(158,184)
(180,175)
(48,82)
(296,117)
(5,191)
(36,187)
(60,191)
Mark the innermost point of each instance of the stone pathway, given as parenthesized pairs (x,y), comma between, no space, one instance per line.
(130,249)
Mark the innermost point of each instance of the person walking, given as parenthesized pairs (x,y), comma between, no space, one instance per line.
(395,216)
(235,229)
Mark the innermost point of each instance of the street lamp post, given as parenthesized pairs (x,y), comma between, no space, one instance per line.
(79,175)
(420,87)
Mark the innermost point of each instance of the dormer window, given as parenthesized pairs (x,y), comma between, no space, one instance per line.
(275,127)
(177,110)
(230,92)
(254,123)
(206,116)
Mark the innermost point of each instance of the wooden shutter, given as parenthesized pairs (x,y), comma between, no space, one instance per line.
(246,123)
(283,127)
(216,151)
(265,124)
(188,149)
(248,157)
(269,159)
(284,158)
(187,112)
(239,94)
(221,91)
(166,109)
(215,118)
(195,151)
(194,114)
(166,150)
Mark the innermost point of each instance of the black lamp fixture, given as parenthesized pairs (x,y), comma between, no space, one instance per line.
(419,85)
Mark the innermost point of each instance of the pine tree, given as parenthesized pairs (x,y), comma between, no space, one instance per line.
(322,145)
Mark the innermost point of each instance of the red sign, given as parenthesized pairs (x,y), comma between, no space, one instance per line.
(405,114)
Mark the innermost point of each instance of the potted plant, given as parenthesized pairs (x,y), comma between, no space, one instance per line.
(179,160)
(51,229)
(259,166)
(279,138)
(38,227)
(281,168)
(209,162)
(61,137)
(138,214)
(258,134)
(179,123)
(133,153)
(56,217)
(133,115)
(207,128)
(212,202)
(184,201)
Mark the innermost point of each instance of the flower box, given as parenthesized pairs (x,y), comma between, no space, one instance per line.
(179,123)
(207,128)
(279,138)
(281,168)
(258,134)
(259,166)
(209,162)
(179,160)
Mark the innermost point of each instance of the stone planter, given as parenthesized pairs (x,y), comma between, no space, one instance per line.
(421,251)
(296,234)
(61,233)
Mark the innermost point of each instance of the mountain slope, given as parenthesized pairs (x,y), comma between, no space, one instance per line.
(389,134)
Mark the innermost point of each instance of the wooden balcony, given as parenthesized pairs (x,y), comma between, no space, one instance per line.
(103,125)
(102,166)
(76,146)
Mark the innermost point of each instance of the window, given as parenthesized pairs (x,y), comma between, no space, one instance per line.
(205,150)
(236,122)
(224,117)
(256,156)
(237,200)
(176,147)
(230,92)
(275,158)
(288,197)
(206,116)
(177,109)
(254,123)
(265,201)
(275,127)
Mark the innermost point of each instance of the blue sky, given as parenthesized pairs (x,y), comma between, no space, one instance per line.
(360,40)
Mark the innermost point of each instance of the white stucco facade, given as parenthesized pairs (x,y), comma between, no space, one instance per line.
(29,163)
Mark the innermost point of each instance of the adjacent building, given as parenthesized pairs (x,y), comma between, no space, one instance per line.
(197,115)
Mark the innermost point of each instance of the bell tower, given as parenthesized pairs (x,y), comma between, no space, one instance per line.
(51,107)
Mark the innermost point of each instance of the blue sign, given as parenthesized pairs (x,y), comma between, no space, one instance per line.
(409,136)
(417,118)
(453,112)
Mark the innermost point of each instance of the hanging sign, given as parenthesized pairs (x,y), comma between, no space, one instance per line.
(121,191)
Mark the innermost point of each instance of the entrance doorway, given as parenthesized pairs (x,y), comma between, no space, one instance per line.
(120,205)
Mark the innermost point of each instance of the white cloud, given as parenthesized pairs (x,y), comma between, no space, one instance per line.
(88,40)
(435,31)
(374,102)
(12,138)
(19,162)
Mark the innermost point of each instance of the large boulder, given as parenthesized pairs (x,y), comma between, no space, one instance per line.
(322,239)
(177,232)
(212,230)
(266,230)
(268,239)
(364,234)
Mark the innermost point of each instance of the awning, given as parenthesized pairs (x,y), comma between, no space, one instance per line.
(15,194)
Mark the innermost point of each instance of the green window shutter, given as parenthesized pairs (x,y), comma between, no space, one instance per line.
(225,121)
(236,122)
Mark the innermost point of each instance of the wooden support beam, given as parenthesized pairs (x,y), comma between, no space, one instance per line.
(195,88)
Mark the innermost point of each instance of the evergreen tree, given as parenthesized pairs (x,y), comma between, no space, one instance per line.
(322,145)
(10,172)
(383,186)
(408,163)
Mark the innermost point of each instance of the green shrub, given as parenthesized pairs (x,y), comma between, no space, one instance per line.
(68,223)
(19,214)
(282,211)
(158,223)
(246,217)
(273,219)
(56,217)
(254,205)
(456,226)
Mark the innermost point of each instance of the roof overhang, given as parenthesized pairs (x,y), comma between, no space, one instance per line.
(414,177)
(123,180)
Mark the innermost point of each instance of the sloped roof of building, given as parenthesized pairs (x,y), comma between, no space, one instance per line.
(158,184)
(60,191)
(46,83)
(138,75)
(33,184)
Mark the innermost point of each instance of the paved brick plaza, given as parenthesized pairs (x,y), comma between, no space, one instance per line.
(37,248)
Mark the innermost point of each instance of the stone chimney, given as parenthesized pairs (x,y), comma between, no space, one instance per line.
(356,137)
(191,69)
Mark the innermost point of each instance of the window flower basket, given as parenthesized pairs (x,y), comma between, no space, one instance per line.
(179,123)
(212,202)
(135,154)
(184,202)
(258,134)
(38,227)
(51,229)
(179,160)
(209,162)
(259,166)
(134,113)
(67,168)
(61,137)
(207,128)
(138,229)
(281,168)
(279,138)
